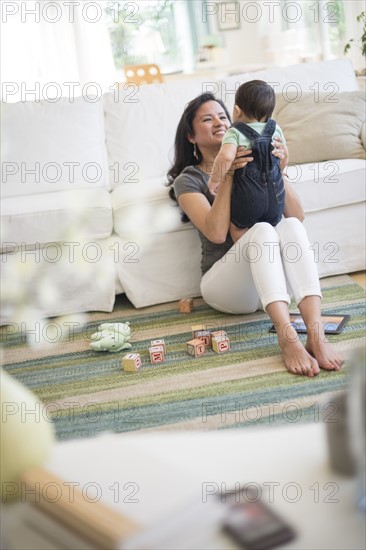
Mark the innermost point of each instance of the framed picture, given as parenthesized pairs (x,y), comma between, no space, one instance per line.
(228,16)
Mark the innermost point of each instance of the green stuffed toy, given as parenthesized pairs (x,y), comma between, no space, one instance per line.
(112,337)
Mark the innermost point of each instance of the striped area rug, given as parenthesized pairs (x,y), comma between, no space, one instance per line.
(86,392)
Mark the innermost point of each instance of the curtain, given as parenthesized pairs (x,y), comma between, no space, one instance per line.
(59,42)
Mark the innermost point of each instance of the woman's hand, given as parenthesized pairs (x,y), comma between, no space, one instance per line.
(280,151)
(241,159)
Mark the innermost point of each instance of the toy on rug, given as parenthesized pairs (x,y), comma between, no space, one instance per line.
(157,351)
(220,344)
(185,305)
(131,362)
(112,337)
(159,343)
(202,338)
(196,347)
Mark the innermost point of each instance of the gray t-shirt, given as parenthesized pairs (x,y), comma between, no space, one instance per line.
(193,180)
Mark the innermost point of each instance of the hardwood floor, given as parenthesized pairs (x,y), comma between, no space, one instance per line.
(359,277)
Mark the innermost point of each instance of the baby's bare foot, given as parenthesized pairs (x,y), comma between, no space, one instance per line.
(324,353)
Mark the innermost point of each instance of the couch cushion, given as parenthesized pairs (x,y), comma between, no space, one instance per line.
(55,217)
(140,128)
(145,209)
(323,127)
(330,184)
(337,238)
(48,137)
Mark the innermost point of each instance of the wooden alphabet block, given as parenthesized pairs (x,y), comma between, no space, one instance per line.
(158,347)
(185,305)
(218,334)
(159,343)
(196,347)
(156,354)
(220,344)
(131,362)
(204,335)
(197,328)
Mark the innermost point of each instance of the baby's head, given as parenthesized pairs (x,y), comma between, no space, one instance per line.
(255,100)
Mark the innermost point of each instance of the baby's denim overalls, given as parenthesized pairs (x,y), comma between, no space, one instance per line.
(258,193)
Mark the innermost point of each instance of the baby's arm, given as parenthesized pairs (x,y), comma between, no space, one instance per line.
(221,166)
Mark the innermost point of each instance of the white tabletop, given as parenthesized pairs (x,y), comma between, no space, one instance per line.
(149,476)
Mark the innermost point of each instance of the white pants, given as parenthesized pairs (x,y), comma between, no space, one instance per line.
(265,265)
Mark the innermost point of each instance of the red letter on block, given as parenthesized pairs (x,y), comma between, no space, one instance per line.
(220,344)
(196,347)
(156,354)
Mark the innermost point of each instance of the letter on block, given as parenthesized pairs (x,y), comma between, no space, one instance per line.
(131,362)
(220,344)
(196,347)
(159,343)
(185,305)
(156,354)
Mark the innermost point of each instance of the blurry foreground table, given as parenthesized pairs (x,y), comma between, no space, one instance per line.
(149,477)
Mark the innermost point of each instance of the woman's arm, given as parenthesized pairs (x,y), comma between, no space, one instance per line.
(293,206)
(213,221)
(221,166)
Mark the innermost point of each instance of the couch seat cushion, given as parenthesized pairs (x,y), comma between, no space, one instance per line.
(323,185)
(56,217)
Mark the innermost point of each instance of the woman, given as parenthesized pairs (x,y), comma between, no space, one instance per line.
(257,269)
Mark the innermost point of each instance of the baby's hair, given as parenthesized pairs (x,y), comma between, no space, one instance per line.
(256,99)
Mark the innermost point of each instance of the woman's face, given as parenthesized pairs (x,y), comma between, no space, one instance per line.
(209,125)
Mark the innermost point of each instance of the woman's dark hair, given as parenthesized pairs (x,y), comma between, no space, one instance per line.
(256,99)
(183,148)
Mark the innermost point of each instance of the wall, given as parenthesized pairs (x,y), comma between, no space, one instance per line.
(247,43)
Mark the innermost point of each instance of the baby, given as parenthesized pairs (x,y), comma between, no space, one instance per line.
(258,193)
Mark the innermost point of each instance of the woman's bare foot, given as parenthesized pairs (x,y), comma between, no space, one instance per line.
(317,344)
(296,358)
(322,350)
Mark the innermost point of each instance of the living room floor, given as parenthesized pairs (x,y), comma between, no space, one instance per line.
(359,277)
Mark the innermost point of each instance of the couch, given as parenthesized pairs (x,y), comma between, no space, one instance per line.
(86,213)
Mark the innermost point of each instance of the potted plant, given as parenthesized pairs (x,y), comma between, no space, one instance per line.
(360,18)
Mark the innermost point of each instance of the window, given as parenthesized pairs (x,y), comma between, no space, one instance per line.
(164,32)
(316,28)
